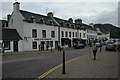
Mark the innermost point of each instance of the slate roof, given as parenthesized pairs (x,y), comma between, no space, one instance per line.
(10,34)
(62,22)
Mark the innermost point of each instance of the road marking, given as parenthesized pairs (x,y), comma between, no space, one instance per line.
(53,69)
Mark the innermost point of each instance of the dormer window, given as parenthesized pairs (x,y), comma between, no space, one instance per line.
(41,20)
(72,25)
(50,21)
(68,25)
(32,18)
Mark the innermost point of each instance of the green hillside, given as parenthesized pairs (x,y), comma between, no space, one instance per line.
(115,31)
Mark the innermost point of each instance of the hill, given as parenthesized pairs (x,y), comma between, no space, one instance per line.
(115,31)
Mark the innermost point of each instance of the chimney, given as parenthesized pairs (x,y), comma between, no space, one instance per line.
(78,21)
(70,20)
(16,6)
(50,14)
(8,17)
(92,25)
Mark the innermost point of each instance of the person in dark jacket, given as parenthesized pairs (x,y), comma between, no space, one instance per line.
(94,50)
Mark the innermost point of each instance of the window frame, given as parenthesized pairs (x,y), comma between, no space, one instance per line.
(66,34)
(33,45)
(69,34)
(43,36)
(52,34)
(33,33)
(62,33)
(8,48)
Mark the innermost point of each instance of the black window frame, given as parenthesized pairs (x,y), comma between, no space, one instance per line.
(35,45)
(52,34)
(80,34)
(8,43)
(34,34)
(83,34)
(76,34)
(66,34)
(69,34)
(43,33)
(62,33)
(73,34)
(51,43)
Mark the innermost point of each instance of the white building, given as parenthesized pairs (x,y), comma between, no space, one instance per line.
(39,31)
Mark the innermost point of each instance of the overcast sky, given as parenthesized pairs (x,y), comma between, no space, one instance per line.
(89,12)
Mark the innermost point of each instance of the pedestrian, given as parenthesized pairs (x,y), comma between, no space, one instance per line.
(39,46)
(94,50)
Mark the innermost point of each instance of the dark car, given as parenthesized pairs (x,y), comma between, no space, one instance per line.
(98,45)
(110,47)
(79,46)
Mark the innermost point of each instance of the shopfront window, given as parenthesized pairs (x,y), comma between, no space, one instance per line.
(7,45)
(34,45)
(51,43)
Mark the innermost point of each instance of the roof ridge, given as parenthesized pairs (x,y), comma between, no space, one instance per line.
(33,13)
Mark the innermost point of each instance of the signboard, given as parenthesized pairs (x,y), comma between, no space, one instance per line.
(43,39)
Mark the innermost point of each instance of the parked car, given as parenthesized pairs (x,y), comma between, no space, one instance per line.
(98,45)
(110,47)
(79,46)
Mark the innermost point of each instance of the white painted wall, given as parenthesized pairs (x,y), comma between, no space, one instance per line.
(27,30)
(68,30)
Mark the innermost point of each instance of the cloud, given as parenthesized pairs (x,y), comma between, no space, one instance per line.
(96,12)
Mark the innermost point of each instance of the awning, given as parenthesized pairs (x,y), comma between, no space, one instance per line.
(10,34)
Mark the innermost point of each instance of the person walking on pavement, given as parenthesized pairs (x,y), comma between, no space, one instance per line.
(59,48)
(94,50)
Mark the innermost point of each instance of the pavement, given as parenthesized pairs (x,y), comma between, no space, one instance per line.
(34,52)
(105,66)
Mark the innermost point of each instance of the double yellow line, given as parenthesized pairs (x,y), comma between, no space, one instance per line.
(53,69)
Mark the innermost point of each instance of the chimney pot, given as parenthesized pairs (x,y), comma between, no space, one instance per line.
(50,14)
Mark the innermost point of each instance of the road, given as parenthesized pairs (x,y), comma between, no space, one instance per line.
(33,65)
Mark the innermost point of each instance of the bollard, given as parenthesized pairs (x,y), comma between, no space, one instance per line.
(100,49)
(63,69)
(51,49)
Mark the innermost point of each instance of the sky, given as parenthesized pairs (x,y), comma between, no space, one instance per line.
(94,11)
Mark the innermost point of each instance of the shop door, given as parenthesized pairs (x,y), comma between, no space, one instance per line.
(56,44)
(15,46)
(42,45)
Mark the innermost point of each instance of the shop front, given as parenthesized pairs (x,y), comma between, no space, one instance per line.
(66,42)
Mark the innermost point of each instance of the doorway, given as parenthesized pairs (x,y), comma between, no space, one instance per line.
(15,46)
(42,45)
